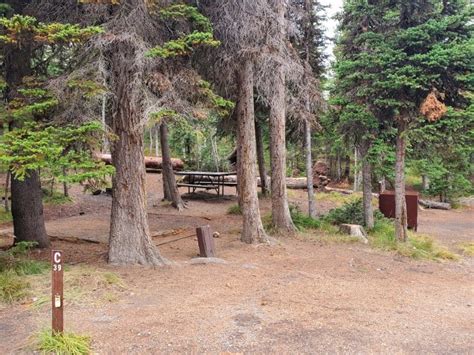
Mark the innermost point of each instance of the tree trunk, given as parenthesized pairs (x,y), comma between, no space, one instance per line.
(7,187)
(281,218)
(261,159)
(357,170)
(26,195)
(309,171)
(425,182)
(367,188)
(130,241)
(27,210)
(252,231)
(401,231)
(167,168)
(382,184)
(65,187)
(338,167)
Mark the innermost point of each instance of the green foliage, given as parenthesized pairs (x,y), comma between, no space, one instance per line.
(88,88)
(189,13)
(352,213)
(36,146)
(185,44)
(20,29)
(443,152)
(65,343)
(222,106)
(303,221)
(390,57)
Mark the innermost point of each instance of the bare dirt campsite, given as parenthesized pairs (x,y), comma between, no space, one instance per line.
(236,177)
(311,293)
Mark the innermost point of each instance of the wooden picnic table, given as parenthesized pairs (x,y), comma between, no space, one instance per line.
(209,180)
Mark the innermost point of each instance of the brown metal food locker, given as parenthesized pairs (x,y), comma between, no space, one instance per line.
(387,206)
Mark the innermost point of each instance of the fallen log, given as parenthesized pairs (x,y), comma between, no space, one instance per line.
(150,162)
(435,205)
(342,191)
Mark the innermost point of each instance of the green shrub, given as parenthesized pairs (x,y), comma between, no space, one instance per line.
(63,343)
(352,213)
(303,221)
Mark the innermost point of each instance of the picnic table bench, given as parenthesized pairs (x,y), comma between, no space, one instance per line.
(208,180)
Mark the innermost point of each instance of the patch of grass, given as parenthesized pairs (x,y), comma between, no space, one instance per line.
(337,198)
(13,288)
(63,343)
(5,216)
(56,198)
(113,279)
(467,248)
(14,259)
(303,223)
(382,236)
(234,209)
(14,267)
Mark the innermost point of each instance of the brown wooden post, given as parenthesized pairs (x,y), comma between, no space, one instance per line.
(57,291)
(206,242)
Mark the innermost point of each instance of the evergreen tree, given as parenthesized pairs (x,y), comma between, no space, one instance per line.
(34,52)
(405,59)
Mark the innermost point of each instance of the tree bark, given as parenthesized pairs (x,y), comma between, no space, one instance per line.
(65,187)
(252,231)
(130,241)
(309,171)
(367,188)
(425,182)
(27,211)
(168,176)
(261,159)
(27,197)
(7,187)
(281,218)
(357,170)
(401,231)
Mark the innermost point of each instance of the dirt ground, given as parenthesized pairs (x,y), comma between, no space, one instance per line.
(303,295)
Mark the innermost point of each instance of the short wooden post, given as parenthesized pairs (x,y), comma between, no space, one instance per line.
(206,242)
(57,291)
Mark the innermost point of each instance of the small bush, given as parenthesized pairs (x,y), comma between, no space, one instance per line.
(351,213)
(303,221)
(234,209)
(63,343)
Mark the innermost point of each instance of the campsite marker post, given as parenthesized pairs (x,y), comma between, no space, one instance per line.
(57,291)
(205,242)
